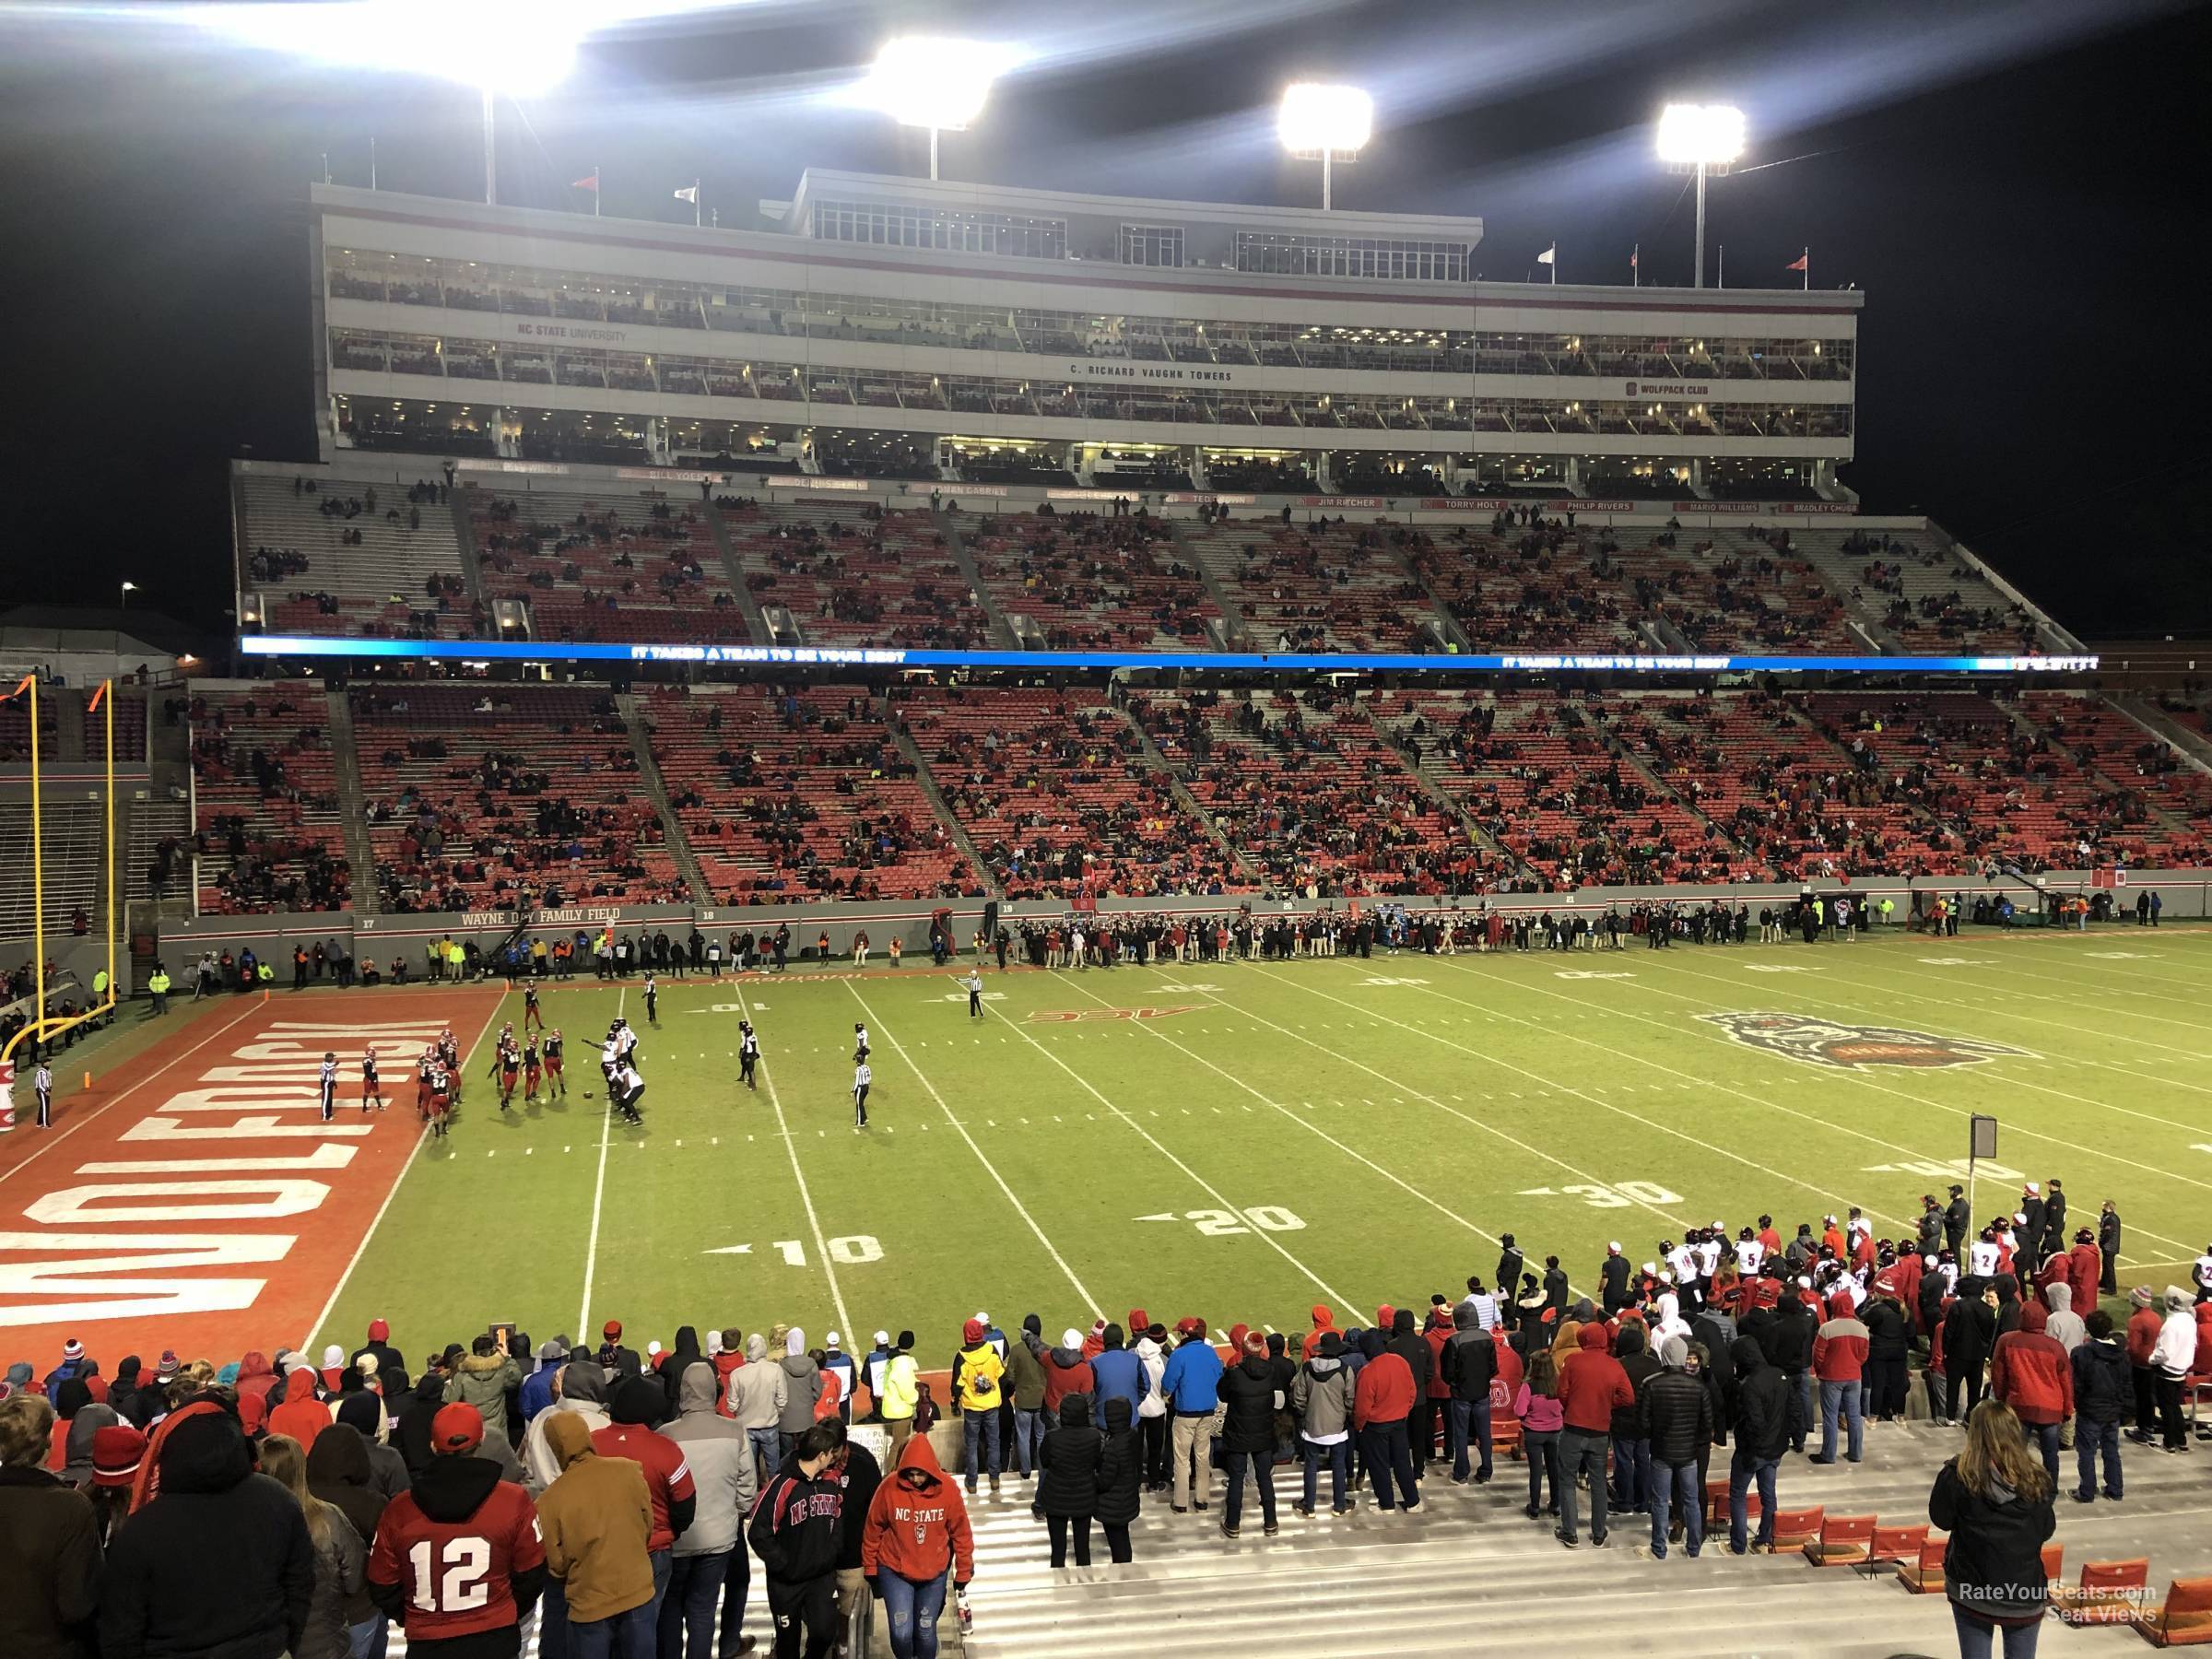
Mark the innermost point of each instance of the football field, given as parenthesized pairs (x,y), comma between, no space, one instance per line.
(1239,1140)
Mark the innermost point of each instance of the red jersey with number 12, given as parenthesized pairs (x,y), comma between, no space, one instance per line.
(456,1574)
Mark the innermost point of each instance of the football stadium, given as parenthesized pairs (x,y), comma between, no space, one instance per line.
(1073,869)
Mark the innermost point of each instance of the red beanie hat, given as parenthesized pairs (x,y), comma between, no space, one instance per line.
(457,1428)
(612,1330)
(379,1331)
(116,1453)
(972,1331)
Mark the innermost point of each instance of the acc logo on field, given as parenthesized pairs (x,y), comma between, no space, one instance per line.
(1065,1016)
(1850,1047)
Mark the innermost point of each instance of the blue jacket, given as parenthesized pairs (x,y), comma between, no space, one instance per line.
(537,1390)
(1192,1380)
(1118,1374)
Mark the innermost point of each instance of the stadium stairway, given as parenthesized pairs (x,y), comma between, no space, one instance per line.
(353,814)
(943,809)
(472,561)
(1190,802)
(1636,763)
(1238,633)
(656,789)
(1003,633)
(1440,618)
(1424,774)
(748,607)
(2191,745)
(1467,1572)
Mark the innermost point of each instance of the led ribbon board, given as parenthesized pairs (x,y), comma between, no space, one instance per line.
(1218,662)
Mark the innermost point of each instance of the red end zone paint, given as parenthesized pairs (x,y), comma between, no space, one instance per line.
(194,1200)
(1062,1016)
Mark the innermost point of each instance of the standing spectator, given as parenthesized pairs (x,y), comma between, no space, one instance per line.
(1250,1392)
(578,1391)
(1152,1420)
(597,1521)
(1469,1365)
(1675,1415)
(756,1402)
(340,1554)
(1536,1404)
(1033,1387)
(1191,1383)
(218,1563)
(709,1566)
(2108,1250)
(1116,1373)
(338,1477)
(902,1392)
(1994,1499)
(2029,1371)
(460,1513)
(915,1532)
(801,1389)
(858,1475)
(484,1379)
(1840,1361)
(49,1543)
(1067,1488)
(2171,1359)
(1631,1490)
(976,1373)
(1382,1400)
(2101,1390)
(637,1406)
(2143,1328)
(1591,1387)
(1758,1416)
(1121,1474)
(1969,1329)
(1888,1343)
(1322,1396)
(797,1530)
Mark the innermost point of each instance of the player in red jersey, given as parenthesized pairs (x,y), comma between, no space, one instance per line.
(532,1072)
(371,1089)
(553,1072)
(441,1097)
(507,1066)
(458,1562)
(423,1067)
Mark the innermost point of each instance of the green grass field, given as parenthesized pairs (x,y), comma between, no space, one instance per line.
(1240,1140)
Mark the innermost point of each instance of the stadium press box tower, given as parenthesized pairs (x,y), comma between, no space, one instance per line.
(988,339)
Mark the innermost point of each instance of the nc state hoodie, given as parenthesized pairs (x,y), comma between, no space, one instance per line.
(917,1523)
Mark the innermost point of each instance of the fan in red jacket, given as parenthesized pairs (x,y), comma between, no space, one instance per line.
(1839,1345)
(2085,1270)
(1592,1384)
(917,1524)
(2028,1370)
(458,1555)
(1384,1392)
(1324,1323)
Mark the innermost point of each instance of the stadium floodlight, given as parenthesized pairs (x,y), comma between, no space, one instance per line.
(1330,123)
(1703,139)
(935,82)
(503,48)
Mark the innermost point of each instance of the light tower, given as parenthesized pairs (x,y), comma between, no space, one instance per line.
(1700,139)
(1326,123)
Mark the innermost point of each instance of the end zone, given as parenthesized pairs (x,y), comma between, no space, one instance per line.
(196,1183)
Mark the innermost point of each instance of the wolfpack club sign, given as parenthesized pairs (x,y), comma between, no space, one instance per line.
(1851,1047)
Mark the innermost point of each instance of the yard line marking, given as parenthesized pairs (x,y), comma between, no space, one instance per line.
(421,1137)
(2075,1144)
(1840,1128)
(2075,1000)
(814,1223)
(1314,1130)
(989,1169)
(1200,1181)
(1663,1128)
(607,1129)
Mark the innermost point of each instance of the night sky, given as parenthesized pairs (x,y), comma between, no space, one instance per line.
(2017,187)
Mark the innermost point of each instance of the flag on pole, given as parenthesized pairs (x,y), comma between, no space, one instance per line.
(1635,277)
(1803,262)
(1548,255)
(689,193)
(590,182)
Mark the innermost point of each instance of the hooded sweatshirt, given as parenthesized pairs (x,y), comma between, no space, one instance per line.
(1673,1412)
(597,1519)
(1592,1384)
(582,1396)
(1065,1371)
(797,1527)
(756,1388)
(1469,1361)
(49,1566)
(338,1473)
(1385,1391)
(1840,1346)
(1640,1365)
(1068,1482)
(460,1510)
(219,1565)
(1323,1396)
(1115,1372)
(1151,1402)
(1248,1388)
(1029,1380)
(902,1388)
(2104,1390)
(802,1384)
(2030,1372)
(1323,1322)
(720,1458)
(917,1523)
(1759,1403)
(1993,1563)
(2064,1327)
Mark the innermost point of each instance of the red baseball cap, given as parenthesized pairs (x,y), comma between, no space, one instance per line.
(457,1428)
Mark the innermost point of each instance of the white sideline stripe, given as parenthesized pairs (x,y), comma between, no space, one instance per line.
(821,1248)
(1199,1181)
(360,1250)
(2074,1146)
(2076,1000)
(49,1139)
(1149,1028)
(590,1255)
(1847,1076)
(989,1169)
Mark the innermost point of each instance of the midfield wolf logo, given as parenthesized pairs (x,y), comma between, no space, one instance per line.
(1850,1047)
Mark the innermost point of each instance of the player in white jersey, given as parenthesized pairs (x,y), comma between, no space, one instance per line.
(1983,1254)
(628,1089)
(862,1078)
